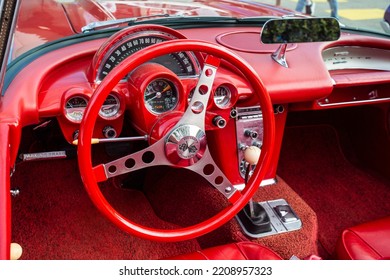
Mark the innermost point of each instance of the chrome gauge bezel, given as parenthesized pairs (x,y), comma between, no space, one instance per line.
(72,113)
(115,108)
(146,93)
(226,99)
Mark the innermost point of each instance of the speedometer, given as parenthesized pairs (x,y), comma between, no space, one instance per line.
(130,40)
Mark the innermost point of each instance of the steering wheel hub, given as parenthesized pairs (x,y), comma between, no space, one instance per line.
(185,145)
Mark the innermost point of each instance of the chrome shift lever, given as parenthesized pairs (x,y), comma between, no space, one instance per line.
(251,156)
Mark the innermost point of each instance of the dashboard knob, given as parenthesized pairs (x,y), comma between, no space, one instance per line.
(109,132)
(251,133)
(219,121)
(257,144)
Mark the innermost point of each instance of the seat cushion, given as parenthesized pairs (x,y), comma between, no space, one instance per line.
(369,241)
(233,251)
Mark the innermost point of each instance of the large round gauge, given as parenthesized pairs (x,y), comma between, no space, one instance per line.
(74,108)
(222,96)
(110,107)
(131,40)
(160,96)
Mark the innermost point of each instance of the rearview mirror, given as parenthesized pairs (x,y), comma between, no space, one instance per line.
(300,30)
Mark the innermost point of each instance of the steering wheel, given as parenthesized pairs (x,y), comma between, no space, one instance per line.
(184,146)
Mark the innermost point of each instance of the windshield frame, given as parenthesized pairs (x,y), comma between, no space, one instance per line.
(9,11)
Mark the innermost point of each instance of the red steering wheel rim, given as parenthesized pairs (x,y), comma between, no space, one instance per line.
(91,113)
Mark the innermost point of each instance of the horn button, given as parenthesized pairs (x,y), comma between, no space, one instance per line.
(185,145)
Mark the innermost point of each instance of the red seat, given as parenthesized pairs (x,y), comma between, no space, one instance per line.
(233,251)
(370,241)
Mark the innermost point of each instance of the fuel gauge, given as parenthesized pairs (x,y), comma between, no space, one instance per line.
(222,96)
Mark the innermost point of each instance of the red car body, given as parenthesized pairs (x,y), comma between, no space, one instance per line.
(326,137)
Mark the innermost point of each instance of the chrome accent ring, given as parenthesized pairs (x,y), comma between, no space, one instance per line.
(185,145)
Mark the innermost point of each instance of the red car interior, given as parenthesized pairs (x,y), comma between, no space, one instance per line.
(326,149)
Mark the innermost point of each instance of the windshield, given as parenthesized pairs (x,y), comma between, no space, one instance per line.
(43,21)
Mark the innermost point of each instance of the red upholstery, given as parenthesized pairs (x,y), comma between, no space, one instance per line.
(370,241)
(233,251)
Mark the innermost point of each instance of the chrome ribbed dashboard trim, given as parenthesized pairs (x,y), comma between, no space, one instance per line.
(356,57)
(368,101)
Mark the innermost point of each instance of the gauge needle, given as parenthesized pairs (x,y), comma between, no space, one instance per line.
(168,87)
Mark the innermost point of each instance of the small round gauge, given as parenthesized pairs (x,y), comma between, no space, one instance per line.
(74,108)
(222,96)
(110,107)
(160,96)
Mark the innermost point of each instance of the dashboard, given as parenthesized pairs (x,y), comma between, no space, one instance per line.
(162,86)
(151,99)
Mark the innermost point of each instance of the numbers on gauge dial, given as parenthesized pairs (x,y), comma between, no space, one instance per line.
(160,96)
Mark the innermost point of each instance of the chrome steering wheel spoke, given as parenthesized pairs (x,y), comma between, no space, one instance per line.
(209,170)
(147,157)
(185,145)
(196,111)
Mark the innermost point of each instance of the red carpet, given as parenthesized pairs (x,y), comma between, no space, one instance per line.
(53,218)
(199,201)
(341,194)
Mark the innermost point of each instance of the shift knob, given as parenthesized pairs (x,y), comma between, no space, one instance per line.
(252,154)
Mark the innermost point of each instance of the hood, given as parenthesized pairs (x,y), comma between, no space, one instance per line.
(81,13)
(41,21)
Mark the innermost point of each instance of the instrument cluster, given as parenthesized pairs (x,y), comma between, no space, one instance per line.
(75,106)
(157,88)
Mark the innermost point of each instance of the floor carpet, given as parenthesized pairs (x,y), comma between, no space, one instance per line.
(341,194)
(53,218)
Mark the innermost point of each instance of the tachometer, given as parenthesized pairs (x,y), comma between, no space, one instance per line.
(160,96)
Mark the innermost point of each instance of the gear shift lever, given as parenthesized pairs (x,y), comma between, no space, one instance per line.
(253,217)
(251,156)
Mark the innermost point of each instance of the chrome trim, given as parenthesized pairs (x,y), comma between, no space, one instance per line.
(356,57)
(6,12)
(185,145)
(368,101)
(96,25)
(248,119)
(43,156)
(277,225)
(279,55)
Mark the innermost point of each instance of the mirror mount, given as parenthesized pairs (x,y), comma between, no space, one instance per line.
(280,55)
(298,30)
